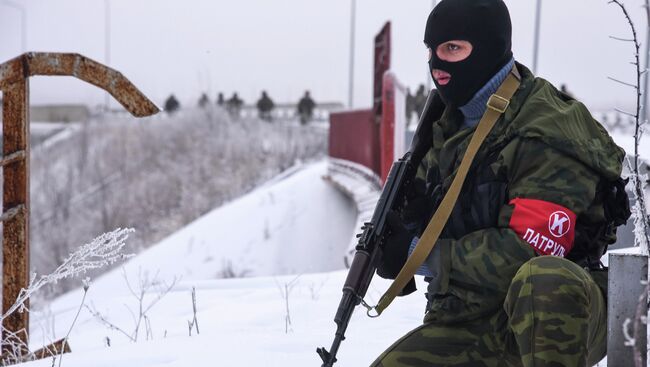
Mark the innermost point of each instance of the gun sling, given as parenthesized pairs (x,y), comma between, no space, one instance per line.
(497,105)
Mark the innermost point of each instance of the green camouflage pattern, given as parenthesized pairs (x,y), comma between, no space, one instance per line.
(491,306)
(557,314)
(554,314)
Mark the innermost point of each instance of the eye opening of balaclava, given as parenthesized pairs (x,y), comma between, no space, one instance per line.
(487,26)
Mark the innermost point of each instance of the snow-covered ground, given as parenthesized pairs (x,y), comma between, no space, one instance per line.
(298,225)
(241,322)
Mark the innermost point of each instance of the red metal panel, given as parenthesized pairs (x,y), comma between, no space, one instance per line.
(387,128)
(354,136)
(382,64)
(393,125)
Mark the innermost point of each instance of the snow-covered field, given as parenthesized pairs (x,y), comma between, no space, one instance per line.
(241,321)
(297,225)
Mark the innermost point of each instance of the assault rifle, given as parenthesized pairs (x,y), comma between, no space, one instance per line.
(373,238)
(368,253)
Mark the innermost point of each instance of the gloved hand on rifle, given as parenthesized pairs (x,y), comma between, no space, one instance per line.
(396,250)
(404,227)
(396,247)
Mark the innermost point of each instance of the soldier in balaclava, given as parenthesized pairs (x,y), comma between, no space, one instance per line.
(515,278)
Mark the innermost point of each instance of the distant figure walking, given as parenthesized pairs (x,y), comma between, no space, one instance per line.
(172,105)
(419,100)
(234,105)
(409,107)
(220,100)
(306,107)
(264,107)
(204,100)
(565,90)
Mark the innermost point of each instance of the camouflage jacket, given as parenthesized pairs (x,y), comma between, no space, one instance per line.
(545,147)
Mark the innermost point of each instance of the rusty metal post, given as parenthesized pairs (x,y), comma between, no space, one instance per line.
(15,199)
(14,83)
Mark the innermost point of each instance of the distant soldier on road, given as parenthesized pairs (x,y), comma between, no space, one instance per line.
(420,100)
(566,91)
(234,105)
(220,100)
(172,105)
(306,107)
(264,107)
(204,100)
(409,106)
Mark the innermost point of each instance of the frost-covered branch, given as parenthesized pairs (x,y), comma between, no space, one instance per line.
(624,112)
(285,292)
(621,39)
(622,82)
(194,324)
(107,323)
(639,211)
(145,286)
(103,251)
(86,283)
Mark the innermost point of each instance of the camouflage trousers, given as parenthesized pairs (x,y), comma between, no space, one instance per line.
(554,314)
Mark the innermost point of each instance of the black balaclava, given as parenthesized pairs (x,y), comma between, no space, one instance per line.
(486,25)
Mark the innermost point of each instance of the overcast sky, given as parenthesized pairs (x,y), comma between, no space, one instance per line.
(287,46)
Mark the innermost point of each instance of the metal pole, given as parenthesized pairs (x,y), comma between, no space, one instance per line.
(107,46)
(351,76)
(429,78)
(23,30)
(23,21)
(538,16)
(644,105)
(15,198)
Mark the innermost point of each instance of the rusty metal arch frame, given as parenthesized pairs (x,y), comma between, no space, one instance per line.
(14,84)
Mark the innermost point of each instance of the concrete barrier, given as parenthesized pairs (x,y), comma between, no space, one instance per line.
(627,304)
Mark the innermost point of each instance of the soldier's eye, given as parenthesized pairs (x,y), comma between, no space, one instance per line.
(454,50)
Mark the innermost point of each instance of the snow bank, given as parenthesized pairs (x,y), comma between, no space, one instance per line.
(295,225)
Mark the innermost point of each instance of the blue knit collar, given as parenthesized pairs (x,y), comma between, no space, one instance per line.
(475,108)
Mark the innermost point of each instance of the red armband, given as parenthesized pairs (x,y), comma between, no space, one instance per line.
(549,228)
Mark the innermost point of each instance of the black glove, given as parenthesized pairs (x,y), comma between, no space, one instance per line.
(396,247)
(418,205)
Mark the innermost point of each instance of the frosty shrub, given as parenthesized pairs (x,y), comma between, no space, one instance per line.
(155,175)
(632,328)
(285,292)
(103,251)
(148,292)
(638,180)
(228,271)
